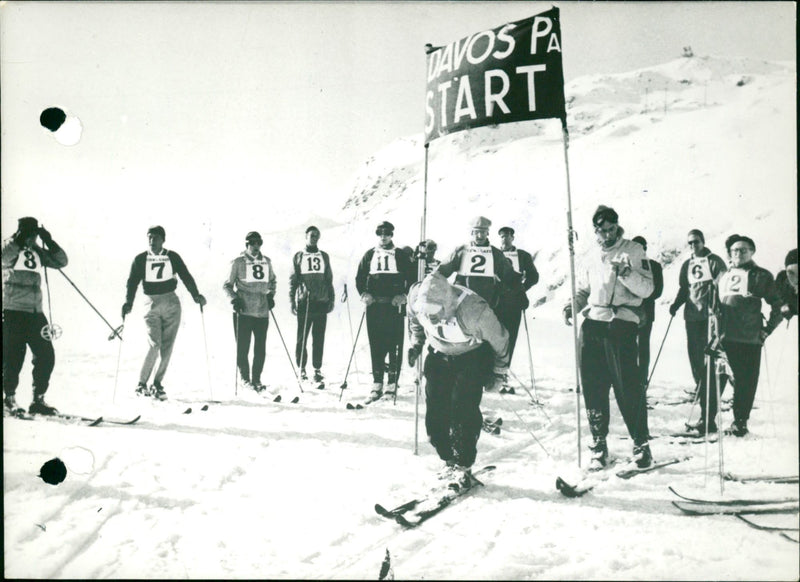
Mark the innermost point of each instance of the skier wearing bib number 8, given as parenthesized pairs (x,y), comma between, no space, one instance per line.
(696,289)
(158,269)
(23,319)
(312,298)
(742,330)
(251,289)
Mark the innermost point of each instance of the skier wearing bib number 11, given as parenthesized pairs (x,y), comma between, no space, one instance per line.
(158,269)
(251,289)
(23,319)
(696,283)
(384,276)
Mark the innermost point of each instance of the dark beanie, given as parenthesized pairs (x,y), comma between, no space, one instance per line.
(698,233)
(791,258)
(734,238)
(604,213)
(310,228)
(385,226)
(507,229)
(27,224)
(157,230)
(641,241)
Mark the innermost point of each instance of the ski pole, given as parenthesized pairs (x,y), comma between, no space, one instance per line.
(344,384)
(530,356)
(205,343)
(525,424)
(236,358)
(277,327)
(119,356)
(51,331)
(114,331)
(303,356)
(346,299)
(647,384)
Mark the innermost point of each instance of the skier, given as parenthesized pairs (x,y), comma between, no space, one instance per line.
(158,270)
(646,323)
(467,351)
(426,251)
(23,321)
(312,298)
(786,286)
(251,289)
(742,332)
(696,284)
(615,281)
(480,266)
(384,275)
(513,299)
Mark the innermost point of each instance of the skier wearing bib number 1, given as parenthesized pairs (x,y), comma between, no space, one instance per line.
(696,283)
(384,276)
(158,270)
(23,319)
(312,298)
(251,289)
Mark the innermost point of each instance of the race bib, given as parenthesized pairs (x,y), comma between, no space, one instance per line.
(477,262)
(734,282)
(158,268)
(699,270)
(445,331)
(383,261)
(28,260)
(513,256)
(311,263)
(256,270)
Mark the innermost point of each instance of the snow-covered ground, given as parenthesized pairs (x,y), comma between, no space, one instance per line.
(254,489)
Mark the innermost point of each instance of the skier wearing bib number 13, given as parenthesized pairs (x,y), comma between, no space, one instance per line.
(158,270)
(251,289)
(23,320)
(696,283)
(384,275)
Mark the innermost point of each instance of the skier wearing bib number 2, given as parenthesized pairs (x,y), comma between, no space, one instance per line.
(23,320)
(312,299)
(251,289)
(696,283)
(384,275)
(158,270)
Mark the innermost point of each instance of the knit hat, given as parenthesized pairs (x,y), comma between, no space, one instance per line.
(641,241)
(159,230)
(480,222)
(253,236)
(698,233)
(310,228)
(384,226)
(791,258)
(604,213)
(27,224)
(507,229)
(734,238)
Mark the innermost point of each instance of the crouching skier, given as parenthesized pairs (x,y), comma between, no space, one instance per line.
(468,350)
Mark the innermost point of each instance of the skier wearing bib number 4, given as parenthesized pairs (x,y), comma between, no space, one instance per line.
(251,289)
(158,269)
(23,319)
(384,275)
(312,298)
(696,282)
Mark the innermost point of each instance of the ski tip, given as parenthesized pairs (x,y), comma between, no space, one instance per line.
(349,406)
(205,407)
(188,410)
(96,421)
(295,400)
(277,398)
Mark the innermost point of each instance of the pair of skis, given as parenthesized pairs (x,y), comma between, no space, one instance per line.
(72,418)
(592,479)
(698,506)
(415,512)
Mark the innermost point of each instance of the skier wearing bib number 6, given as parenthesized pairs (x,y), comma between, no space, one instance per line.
(384,276)
(158,269)
(482,267)
(251,289)
(23,319)
(696,290)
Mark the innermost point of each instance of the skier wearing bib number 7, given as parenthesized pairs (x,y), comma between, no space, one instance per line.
(23,319)
(158,269)
(251,289)
(696,289)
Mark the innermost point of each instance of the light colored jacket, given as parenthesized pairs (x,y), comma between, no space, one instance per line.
(251,279)
(22,274)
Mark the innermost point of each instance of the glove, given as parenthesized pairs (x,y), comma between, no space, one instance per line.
(413,355)
(786,313)
(497,382)
(762,336)
(330,306)
(368,299)
(45,235)
(270,302)
(200,300)
(399,300)
(622,266)
(673,309)
(126,309)
(237,303)
(567,311)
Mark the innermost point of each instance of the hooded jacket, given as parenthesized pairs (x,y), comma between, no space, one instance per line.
(22,274)
(252,280)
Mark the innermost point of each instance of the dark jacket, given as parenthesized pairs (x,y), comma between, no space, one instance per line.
(696,285)
(741,291)
(161,276)
(471,263)
(391,272)
(311,278)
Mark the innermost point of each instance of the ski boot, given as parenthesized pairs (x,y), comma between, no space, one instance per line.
(738,428)
(303,375)
(376,392)
(642,456)
(447,473)
(142,390)
(391,389)
(599,458)
(463,479)
(701,429)
(158,391)
(10,405)
(258,386)
(39,406)
(319,379)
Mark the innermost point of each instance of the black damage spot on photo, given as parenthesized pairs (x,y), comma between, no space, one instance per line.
(53,471)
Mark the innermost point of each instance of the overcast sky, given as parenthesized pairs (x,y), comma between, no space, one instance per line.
(287,98)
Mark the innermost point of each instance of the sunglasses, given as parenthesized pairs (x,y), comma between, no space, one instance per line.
(385,233)
(605,231)
(254,241)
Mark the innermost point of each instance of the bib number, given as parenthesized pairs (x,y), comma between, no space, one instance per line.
(734,282)
(28,261)
(513,256)
(311,263)
(383,261)
(158,268)
(255,271)
(699,270)
(477,262)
